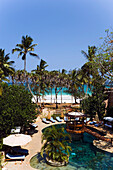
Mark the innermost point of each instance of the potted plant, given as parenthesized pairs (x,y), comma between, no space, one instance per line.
(56,146)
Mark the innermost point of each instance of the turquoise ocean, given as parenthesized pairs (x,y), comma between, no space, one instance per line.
(63,91)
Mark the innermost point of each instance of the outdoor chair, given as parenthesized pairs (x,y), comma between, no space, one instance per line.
(58,119)
(92,123)
(52,120)
(14,157)
(65,119)
(19,150)
(108,125)
(45,121)
(98,124)
(16,130)
(87,120)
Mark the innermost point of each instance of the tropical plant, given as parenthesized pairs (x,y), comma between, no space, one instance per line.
(104,59)
(40,81)
(89,69)
(95,103)
(75,87)
(24,48)
(56,144)
(6,68)
(16,108)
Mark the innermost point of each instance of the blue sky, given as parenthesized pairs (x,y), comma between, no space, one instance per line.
(62,28)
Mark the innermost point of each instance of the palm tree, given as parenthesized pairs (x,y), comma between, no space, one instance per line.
(40,74)
(6,68)
(89,69)
(24,48)
(56,144)
(5,64)
(75,84)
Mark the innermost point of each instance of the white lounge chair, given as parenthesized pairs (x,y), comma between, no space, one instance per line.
(65,119)
(16,130)
(45,121)
(107,125)
(20,150)
(14,157)
(58,119)
(52,120)
(87,120)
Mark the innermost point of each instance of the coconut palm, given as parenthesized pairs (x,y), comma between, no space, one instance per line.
(40,74)
(6,68)
(24,48)
(89,68)
(75,84)
(56,144)
(5,64)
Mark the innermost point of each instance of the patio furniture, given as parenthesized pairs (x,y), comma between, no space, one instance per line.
(58,119)
(20,150)
(16,130)
(87,120)
(92,123)
(108,125)
(98,124)
(65,119)
(52,120)
(45,121)
(34,125)
(14,157)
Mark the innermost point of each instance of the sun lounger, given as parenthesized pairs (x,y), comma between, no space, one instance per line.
(52,120)
(109,126)
(16,130)
(34,125)
(45,121)
(65,119)
(14,157)
(58,119)
(87,120)
(92,123)
(98,124)
(20,150)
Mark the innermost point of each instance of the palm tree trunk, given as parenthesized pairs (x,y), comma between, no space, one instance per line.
(56,97)
(61,96)
(25,64)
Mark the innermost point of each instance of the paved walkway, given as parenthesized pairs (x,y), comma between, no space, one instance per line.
(34,147)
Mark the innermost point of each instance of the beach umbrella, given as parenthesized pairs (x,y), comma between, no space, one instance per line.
(17,140)
(75,114)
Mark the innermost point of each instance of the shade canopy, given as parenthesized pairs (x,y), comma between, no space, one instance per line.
(75,114)
(17,140)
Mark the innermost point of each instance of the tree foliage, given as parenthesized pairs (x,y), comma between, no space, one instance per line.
(95,103)
(56,144)
(24,48)
(16,108)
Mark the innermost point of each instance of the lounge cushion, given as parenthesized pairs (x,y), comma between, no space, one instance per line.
(8,155)
(58,119)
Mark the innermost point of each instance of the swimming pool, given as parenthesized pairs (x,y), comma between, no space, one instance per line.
(83,156)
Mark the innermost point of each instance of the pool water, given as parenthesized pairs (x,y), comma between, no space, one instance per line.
(84,156)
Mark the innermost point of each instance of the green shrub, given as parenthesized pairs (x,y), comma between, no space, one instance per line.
(16,108)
